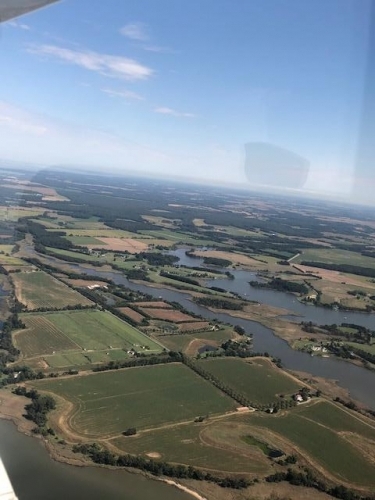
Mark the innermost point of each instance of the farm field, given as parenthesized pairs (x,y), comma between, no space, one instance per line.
(177,237)
(337,419)
(107,403)
(181,341)
(91,330)
(83,241)
(6,257)
(154,303)
(130,245)
(130,313)
(257,379)
(39,289)
(190,444)
(167,314)
(340,458)
(15,213)
(334,256)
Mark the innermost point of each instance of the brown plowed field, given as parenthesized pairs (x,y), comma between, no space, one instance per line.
(156,304)
(130,313)
(121,245)
(167,315)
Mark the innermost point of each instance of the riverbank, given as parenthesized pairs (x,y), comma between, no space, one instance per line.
(12,409)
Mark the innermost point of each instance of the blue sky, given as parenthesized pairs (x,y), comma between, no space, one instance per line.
(179,87)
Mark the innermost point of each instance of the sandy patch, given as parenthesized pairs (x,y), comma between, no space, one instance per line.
(196,344)
(153,454)
(85,283)
(185,489)
(121,245)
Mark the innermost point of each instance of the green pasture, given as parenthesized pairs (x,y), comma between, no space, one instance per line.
(257,379)
(325,446)
(108,403)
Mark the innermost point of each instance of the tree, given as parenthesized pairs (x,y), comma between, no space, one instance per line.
(130,432)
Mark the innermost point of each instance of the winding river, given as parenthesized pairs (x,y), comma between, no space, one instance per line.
(359,381)
(35,475)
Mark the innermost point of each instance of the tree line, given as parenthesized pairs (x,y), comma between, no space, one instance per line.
(309,480)
(219,303)
(158,468)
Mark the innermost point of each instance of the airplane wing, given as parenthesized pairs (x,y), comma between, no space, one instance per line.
(15,8)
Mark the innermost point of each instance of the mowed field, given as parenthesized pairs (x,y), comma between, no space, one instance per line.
(324,433)
(90,330)
(107,403)
(39,289)
(257,379)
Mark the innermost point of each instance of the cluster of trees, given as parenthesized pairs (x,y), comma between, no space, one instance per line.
(308,480)
(135,274)
(178,277)
(12,323)
(157,259)
(39,407)
(361,333)
(242,349)
(158,468)
(215,261)
(237,396)
(282,286)
(219,303)
(17,374)
(44,238)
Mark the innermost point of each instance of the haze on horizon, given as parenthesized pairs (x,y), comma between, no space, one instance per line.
(274,94)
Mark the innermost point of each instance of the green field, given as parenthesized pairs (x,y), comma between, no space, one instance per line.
(6,257)
(179,342)
(257,379)
(188,444)
(90,330)
(325,446)
(334,256)
(39,289)
(363,347)
(108,403)
(85,241)
(337,419)
(177,237)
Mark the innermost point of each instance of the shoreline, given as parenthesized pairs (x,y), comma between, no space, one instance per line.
(23,426)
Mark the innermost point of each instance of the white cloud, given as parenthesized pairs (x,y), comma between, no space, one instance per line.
(159,49)
(108,65)
(135,31)
(173,112)
(20,121)
(126,94)
(21,26)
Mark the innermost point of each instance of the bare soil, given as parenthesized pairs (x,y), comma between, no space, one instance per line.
(134,315)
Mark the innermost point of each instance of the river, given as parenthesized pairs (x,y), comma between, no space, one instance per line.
(359,381)
(35,476)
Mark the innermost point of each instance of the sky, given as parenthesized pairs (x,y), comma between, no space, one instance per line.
(186,88)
